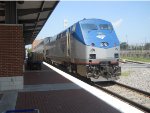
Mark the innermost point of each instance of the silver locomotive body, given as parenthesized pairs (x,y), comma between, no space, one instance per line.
(89,48)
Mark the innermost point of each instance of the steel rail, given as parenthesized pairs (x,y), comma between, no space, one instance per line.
(137,105)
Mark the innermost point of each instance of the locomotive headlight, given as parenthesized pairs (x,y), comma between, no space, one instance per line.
(104,44)
(116,55)
(92,56)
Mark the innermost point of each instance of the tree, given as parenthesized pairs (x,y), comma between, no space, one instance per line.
(147,46)
(124,46)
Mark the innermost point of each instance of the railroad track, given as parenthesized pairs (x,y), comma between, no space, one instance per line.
(134,65)
(135,97)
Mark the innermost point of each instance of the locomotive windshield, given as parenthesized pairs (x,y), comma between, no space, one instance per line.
(105,27)
(89,27)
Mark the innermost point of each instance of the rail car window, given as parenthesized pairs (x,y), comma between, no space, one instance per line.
(105,27)
(89,27)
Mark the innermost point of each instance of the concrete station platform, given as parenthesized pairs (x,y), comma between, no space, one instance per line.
(50,92)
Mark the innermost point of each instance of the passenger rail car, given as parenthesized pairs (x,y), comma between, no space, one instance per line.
(90,48)
(39,48)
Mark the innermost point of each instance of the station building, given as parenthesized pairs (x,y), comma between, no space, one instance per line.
(20,23)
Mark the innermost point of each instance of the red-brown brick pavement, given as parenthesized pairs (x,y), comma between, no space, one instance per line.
(58,101)
(45,76)
(63,101)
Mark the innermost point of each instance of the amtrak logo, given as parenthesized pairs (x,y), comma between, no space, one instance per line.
(101,36)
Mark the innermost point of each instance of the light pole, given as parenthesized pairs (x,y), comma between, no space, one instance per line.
(65,23)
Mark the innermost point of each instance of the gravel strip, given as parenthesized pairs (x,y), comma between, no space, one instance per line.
(136,77)
(130,94)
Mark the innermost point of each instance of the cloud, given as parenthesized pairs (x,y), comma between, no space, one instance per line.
(117,23)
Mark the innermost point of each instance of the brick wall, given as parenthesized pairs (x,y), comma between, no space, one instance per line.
(11,50)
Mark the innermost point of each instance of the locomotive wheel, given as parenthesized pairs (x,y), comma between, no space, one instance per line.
(50,62)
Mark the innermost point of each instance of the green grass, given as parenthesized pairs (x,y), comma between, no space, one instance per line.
(125,73)
(137,59)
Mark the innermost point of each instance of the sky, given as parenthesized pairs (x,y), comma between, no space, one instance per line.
(131,20)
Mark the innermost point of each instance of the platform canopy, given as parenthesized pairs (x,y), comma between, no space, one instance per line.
(32,14)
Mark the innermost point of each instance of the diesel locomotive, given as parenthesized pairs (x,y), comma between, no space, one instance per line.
(89,47)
